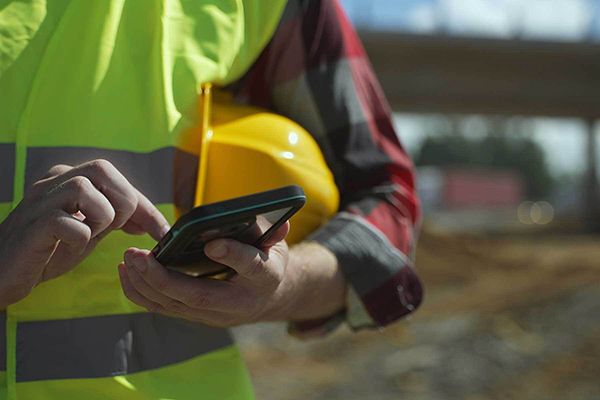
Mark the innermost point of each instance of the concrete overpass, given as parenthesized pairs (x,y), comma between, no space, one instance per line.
(444,74)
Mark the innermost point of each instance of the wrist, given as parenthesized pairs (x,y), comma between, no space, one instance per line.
(313,286)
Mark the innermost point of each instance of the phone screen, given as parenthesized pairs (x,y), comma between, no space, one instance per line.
(263,223)
(248,231)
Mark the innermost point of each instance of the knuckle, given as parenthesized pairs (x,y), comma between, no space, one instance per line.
(102,166)
(128,206)
(174,305)
(161,284)
(201,300)
(79,184)
(57,170)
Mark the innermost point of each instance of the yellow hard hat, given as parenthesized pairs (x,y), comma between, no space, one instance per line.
(244,150)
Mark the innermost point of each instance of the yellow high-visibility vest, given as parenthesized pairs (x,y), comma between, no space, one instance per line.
(119,80)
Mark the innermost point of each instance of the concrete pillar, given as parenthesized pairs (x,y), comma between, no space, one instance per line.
(592,208)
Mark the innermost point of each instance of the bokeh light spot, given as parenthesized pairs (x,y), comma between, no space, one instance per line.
(546,212)
(524,213)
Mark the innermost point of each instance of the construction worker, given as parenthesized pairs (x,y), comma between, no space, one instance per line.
(96,98)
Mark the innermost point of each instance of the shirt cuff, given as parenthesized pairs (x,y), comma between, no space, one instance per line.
(383,284)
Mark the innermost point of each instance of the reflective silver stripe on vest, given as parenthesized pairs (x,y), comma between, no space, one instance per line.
(165,176)
(110,345)
(2,340)
(7,171)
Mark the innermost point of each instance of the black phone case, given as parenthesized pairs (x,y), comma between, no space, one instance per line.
(182,248)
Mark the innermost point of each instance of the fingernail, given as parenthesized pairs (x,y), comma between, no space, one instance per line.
(219,251)
(128,256)
(140,264)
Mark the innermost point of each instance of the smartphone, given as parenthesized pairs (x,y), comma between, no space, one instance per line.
(249,219)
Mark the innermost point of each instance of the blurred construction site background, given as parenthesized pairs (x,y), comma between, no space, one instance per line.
(497,101)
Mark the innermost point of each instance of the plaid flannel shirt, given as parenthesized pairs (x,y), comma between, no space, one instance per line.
(315,72)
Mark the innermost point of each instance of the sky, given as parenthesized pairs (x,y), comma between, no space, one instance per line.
(563,139)
(565,20)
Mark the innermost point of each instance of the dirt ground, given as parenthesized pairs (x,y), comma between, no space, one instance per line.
(505,317)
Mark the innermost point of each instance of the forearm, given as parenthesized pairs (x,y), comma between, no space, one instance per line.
(314,285)
(323,80)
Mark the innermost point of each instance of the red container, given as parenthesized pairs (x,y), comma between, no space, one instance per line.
(482,189)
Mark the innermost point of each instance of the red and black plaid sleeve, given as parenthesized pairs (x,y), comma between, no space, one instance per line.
(315,72)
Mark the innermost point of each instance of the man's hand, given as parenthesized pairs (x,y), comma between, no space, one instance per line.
(270,284)
(62,218)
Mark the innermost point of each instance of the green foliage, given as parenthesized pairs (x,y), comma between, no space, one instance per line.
(520,154)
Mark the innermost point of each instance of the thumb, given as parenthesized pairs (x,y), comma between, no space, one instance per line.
(277,236)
